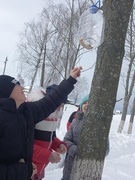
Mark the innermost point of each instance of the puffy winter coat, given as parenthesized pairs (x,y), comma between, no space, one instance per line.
(71,138)
(17,130)
(45,141)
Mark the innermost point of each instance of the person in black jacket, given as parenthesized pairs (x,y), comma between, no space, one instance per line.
(17,121)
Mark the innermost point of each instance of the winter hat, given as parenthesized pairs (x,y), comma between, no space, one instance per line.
(86,98)
(52,87)
(7,84)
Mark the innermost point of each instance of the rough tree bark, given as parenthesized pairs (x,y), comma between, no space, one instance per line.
(89,159)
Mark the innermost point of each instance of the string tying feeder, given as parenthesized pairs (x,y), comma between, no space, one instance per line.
(95,7)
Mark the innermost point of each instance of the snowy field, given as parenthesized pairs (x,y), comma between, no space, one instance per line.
(119,164)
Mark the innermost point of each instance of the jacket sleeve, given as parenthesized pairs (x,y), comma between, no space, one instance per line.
(40,155)
(68,139)
(44,107)
(56,142)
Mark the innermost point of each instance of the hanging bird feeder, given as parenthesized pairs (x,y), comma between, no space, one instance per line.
(91,25)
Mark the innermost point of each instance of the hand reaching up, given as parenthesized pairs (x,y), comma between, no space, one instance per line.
(76,72)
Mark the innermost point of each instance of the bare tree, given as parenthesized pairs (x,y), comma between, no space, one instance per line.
(64,19)
(32,46)
(130,127)
(130,77)
(89,159)
(49,45)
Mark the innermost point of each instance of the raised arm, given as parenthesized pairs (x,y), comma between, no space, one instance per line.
(44,107)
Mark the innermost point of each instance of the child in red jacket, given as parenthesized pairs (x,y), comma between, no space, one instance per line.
(47,147)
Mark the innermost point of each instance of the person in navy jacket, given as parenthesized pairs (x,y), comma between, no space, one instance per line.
(17,121)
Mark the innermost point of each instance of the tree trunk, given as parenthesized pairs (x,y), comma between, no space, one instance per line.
(43,69)
(123,117)
(125,106)
(35,73)
(131,118)
(130,79)
(92,145)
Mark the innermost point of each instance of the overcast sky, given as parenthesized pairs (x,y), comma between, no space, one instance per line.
(13,15)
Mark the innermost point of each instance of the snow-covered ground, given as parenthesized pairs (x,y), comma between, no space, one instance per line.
(119,164)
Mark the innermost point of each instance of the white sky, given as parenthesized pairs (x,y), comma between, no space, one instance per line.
(13,15)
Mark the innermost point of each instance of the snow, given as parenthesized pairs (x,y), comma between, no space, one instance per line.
(120,162)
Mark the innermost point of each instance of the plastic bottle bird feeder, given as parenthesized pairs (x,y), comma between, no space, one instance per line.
(91,24)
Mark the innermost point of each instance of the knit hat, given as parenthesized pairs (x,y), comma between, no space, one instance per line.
(7,84)
(52,87)
(86,98)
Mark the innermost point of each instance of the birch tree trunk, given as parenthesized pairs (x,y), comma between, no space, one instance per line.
(130,127)
(89,160)
(130,79)
(125,105)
